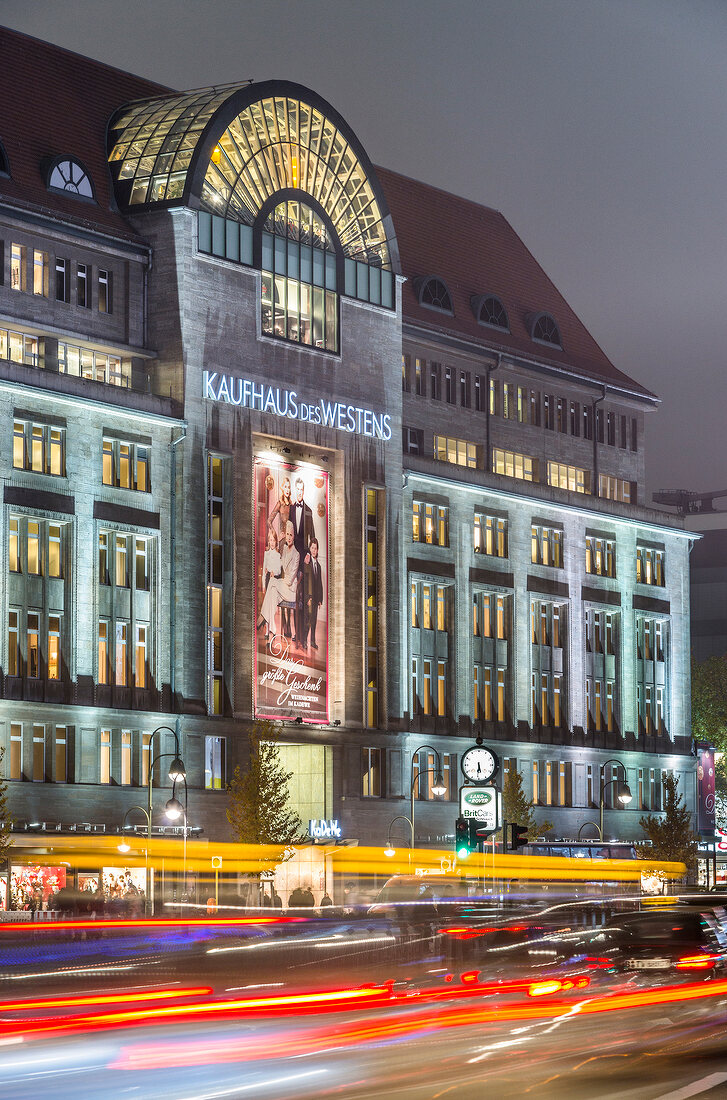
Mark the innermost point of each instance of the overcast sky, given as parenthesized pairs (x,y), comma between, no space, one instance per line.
(598,127)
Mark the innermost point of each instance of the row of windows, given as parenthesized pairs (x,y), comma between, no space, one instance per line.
(80,362)
(561,475)
(41,448)
(123,756)
(424,775)
(512,401)
(36,547)
(430,524)
(30,271)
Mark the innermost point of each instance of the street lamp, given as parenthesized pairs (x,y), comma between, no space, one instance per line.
(174,810)
(438,787)
(176,771)
(388,850)
(623,794)
(124,847)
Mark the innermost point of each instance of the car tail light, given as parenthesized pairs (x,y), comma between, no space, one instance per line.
(697,962)
(557,985)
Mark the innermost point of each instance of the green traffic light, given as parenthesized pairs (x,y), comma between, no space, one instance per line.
(462,852)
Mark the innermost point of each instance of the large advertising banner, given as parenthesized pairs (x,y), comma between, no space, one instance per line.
(705,789)
(291,591)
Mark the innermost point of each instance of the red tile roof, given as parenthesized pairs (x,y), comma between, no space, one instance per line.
(476,251)
(56,103)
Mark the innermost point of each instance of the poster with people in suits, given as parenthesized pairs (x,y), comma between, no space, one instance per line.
(291,590)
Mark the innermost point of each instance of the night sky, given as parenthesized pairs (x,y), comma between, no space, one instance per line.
(598,127)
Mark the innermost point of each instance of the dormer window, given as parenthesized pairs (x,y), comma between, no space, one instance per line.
(69,176)
(490,311)
(544,330)
(433,294)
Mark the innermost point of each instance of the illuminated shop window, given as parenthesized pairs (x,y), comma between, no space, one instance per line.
(298,295)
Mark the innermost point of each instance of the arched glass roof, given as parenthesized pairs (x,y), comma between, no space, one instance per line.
(232,149)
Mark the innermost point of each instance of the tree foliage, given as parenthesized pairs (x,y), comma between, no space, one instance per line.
(259,809)
(5,819)
(709,700)
(517,809)
(671,836)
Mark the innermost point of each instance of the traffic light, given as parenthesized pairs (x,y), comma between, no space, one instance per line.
(518,837)
(466,839)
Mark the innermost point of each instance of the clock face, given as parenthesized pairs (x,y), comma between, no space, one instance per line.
(479,764)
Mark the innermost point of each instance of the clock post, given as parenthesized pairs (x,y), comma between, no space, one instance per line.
(480,798)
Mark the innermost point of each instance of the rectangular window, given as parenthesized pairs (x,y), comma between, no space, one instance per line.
(120,654)
(63,280)
(126,465)
(600,556)
(416,705)
(83,293)
(60,755)
(512,464)
(611,429)
(33,645)
(650,566)
(490,535)
(103,557)
(17,267)
(96,366)
(428,687)
(120,560)
(464,389)
(54,647)
(430,523)
(215,757)
(441,607)
(104,771)
(546,546)
(522,405)
(494,397)
(575,418)
(140,657)
(435,388)
(460,452)
(142,565)
(14,545)
(405,370)
(103,652)
(616,488)
(105,294)
(562,415)
(535,408)
(573,478)
(419,368)
(501,695)
(55,556)
(426,607)
(215,579)
(125,758)
(39,447)
(16,751)
(13,645)
(476,704)
(548,411)
(487,695)
(449,385)
(38,754)
(479,390)
(550,766)
(40,273)
(557,711)
(145,757)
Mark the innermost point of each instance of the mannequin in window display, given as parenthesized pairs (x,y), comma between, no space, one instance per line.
(281,589)
(312,593)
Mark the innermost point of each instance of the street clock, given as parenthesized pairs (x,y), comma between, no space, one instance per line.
(479,764)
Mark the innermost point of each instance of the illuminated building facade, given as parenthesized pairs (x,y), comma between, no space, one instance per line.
(291,436)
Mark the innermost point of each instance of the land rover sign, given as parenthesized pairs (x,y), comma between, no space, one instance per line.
(480,804)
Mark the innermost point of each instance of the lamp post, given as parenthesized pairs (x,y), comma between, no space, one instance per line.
(174,810)
(124,847)
(176,771)
(438,787)
(388,850)
(623,791)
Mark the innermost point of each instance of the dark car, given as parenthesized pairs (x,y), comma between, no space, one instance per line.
(686,941)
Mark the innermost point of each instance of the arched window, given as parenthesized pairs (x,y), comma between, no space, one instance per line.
(433,294)
(4,164)
(544,330)
(298,260)
(69,176)
(490,311)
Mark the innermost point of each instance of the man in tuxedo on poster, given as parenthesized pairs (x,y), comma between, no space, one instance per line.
(301,517)
(312,593)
